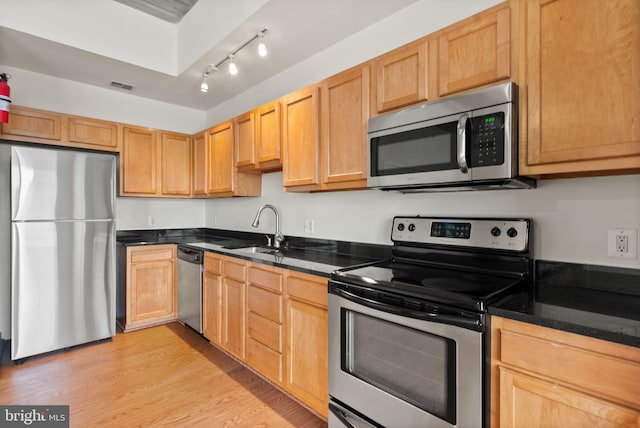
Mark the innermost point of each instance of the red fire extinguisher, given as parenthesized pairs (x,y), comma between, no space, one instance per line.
(5,100)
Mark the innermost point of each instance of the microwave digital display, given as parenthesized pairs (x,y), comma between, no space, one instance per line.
(487,140)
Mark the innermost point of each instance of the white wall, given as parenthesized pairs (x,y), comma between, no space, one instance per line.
(571,216)
(37,90)
(134,213)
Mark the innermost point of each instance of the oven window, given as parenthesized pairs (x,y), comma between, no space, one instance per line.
(419,150)
(412,365)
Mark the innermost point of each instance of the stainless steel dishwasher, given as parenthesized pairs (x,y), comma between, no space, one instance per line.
(190,287)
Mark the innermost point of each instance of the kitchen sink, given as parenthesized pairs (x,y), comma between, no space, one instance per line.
(258,249)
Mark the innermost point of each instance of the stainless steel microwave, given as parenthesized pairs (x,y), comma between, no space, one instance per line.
(463,142)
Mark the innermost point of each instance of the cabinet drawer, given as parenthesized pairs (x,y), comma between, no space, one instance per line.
(604,368)
(265,331)
(264,360)
(309,288)
(212,264)
(233,270)
(151,253)
(265,278)
(265,303)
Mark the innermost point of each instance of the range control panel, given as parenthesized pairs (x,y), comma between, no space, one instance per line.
(499,234)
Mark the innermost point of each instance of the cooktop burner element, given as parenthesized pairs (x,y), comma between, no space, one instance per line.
(466,263)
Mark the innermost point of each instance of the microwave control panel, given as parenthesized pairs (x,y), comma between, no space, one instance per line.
(487,140)
(498,234)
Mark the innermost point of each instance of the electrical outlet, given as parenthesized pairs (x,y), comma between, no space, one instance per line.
(151,220)
(309,226)
(623,243)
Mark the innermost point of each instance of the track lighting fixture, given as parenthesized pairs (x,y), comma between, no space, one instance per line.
(262,48)
(233,68)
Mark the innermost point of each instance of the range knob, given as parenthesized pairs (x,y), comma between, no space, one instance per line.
(401,227)
(495,231)
(412,227)
(512,232)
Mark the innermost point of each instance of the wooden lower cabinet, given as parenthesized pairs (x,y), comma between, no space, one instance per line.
(307,340)
(273,320)
(264,320)
(151,286)
(543,377)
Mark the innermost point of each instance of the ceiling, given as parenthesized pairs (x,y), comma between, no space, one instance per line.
(109,41)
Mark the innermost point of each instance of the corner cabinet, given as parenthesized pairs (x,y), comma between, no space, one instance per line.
(223,179)
(151,286)
(541,377)
(580,87)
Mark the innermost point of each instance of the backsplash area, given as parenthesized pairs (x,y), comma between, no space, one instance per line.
(571,216)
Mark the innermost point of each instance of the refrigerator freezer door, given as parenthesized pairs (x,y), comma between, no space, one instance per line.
(61,185)
(63,285)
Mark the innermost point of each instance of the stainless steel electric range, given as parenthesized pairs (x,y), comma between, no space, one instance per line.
(407,341)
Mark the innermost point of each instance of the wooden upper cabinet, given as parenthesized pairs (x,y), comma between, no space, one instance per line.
(92,133)
(223,179)
(269,137)
(345,113)
(199,159)
(245,141)
(301,137)
(27,122)
(582,99)
(176,164)
(221,165)
(401,77)
(139,169)
(475,52)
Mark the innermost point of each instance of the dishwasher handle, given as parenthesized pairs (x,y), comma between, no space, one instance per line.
(190,255)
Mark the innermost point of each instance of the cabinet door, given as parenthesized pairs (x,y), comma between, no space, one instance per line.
(93,133)
(176,164)
(301,137)
(200,164)
(139,163)
(220,163)
(34,123)
(233,337)
(306,341)
(151,286)
(526,401)
(475,52)
(245,141)
(401,77)
(212,306)
(345,113)
(583,82)
(268,137)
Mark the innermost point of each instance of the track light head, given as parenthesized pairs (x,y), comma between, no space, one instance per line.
(233,69)
(262,48)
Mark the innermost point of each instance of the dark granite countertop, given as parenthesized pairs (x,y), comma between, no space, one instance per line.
(597,301)
(314,256)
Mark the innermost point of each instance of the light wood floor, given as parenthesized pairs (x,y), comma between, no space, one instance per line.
(161,376)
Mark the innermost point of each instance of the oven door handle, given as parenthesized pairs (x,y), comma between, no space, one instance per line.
(462,144)
(346,418)
(440,317)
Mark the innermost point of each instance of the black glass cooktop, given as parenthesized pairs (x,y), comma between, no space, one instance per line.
(469,290)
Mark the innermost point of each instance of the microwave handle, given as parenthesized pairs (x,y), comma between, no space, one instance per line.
(462,146)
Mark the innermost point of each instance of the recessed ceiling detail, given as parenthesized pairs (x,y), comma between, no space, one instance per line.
(167,10)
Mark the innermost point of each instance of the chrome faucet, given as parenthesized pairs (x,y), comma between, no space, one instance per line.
(278,237)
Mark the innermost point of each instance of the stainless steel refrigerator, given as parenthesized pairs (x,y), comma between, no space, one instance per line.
(62,248)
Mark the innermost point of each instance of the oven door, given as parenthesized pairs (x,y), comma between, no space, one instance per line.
(400,371)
